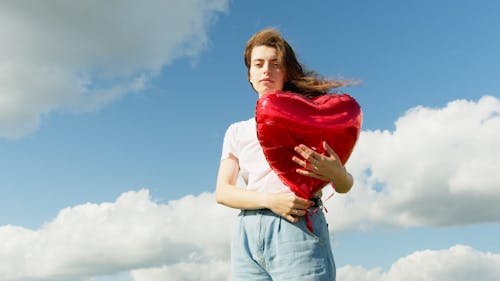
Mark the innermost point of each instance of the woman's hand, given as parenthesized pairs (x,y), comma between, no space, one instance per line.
(327,168)
(227,193)
(288,205)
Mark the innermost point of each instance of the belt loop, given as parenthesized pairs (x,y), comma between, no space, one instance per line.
(318,205)
(317,202)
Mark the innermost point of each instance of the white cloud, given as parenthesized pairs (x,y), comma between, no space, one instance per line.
(131,233)
(81,55)
(186,239)
(438,167)
(457,263)
(409,177)
(211,271)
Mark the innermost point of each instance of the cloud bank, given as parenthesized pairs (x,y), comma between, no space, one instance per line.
(81,55)
(439,167)
(457,263)
(177,241)
(132,233)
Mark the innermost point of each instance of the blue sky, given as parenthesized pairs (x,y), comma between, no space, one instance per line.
(100,102)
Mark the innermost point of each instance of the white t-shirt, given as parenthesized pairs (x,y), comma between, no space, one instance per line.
(241,141)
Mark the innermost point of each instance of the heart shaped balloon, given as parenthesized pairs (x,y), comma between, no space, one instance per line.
(285,120)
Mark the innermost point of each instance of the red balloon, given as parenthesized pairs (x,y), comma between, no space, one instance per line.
(285,120)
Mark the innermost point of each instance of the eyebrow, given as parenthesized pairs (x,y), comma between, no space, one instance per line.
(275,59)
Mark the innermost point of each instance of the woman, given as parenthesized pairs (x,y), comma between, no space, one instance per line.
(271,240)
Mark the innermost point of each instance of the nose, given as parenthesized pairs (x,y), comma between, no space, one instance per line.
(266,67)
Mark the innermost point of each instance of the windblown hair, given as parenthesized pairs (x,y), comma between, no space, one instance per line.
(298,80)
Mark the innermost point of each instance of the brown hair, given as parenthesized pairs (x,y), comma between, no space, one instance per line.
(298,80)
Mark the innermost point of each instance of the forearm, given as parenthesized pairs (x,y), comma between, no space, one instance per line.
(239,198)
(229,194)
(286,205)
(342,181)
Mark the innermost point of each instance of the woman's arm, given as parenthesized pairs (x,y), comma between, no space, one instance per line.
(227,193)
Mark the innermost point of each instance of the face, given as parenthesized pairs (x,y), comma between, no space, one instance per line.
(265,73)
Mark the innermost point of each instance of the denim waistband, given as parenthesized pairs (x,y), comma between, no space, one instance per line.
(318,204)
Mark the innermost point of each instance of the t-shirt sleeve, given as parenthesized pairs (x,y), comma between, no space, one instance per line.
(230,145)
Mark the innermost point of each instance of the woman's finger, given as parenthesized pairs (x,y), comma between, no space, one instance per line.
(302,204)
(305,152)
(299,161)
(329,149)
(297,213)
(311,174)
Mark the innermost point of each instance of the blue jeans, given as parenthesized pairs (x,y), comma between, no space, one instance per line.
(266,246)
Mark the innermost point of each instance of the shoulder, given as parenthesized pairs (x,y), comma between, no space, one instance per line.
(242,126)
